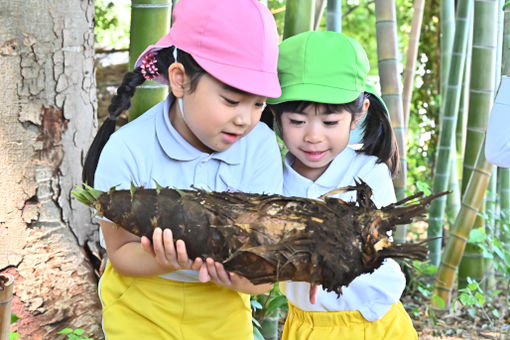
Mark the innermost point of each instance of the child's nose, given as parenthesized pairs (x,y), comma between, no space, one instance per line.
(313,135)
(243,117)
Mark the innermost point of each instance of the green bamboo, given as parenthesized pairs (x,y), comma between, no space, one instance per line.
(463,109)
(453,199)
(447,128)
(299,17)
(483,71)
(412,52)
(334,16)
(391,88)
(482,88)
(150,20)
(459,233)
(320,5)
(504,203)
(447,24)
(447,21)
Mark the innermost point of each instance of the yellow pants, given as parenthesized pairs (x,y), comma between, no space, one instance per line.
(349,325)
(157,308)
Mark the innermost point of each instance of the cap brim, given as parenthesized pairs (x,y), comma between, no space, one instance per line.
(265,84)
(315,93)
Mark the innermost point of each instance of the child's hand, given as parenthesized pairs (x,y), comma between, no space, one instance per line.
(169,257)
(215,272)
(314,290)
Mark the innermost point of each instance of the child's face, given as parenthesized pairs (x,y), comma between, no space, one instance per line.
(216,115)
(315,137)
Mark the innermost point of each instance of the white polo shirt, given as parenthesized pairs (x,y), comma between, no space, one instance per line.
(371,294)
(149,148)
(497,146)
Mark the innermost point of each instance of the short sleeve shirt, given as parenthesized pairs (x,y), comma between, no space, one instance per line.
(149,149)
(371,294)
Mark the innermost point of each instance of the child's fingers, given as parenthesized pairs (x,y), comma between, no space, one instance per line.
(211,269)
(182,255)
(223,275)
(147,245)
(314,290)
(203,274)
(169,249)
(197,264)
(157,244)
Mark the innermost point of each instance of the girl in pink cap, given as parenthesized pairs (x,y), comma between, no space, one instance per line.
(219,60)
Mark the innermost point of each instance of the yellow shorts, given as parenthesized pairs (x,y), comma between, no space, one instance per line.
(156,308)
(349,325)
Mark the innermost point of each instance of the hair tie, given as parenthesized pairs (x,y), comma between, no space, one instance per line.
(148,66)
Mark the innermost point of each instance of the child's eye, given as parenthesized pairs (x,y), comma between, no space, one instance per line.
(331,122)
(231,102)
(296,122)
(261,105)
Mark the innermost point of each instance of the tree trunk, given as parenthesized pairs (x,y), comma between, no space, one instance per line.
(47,121)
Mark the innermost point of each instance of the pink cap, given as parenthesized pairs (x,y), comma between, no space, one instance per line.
(235,41)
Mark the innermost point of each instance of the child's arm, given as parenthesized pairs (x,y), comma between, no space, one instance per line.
(215,272)
(131,257)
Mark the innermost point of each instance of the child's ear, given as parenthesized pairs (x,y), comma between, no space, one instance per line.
(359,117)
(177,79)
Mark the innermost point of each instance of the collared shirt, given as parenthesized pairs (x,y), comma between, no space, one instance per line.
(371,294)
(149,149)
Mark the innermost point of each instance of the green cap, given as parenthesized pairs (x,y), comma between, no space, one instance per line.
(321,66)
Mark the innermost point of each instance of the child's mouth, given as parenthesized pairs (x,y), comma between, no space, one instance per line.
(230,138)
(314,155)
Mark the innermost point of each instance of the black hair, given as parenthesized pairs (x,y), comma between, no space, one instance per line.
(122,101)
(378,137)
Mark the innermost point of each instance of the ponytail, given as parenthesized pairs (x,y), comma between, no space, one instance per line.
(378,138)
(122,101)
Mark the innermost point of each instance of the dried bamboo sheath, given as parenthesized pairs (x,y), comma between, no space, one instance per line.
(269,238)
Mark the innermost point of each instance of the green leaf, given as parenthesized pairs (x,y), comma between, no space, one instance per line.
(275,304)
(480,298)
(439,301)
(13,335)
(477,235)
(255,304)
(14,318)
(257,335)
(65,331)
(79,331)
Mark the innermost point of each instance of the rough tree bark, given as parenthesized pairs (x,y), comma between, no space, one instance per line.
(47,121)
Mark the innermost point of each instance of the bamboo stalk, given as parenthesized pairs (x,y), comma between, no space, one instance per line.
(150,20)
(447,26)
(412,52)
(463,109)
(459,233)
(482,88)
(391,88)
(6,287)
(447,128)
(483,71)
(334,16)
(299,16)
(320,5)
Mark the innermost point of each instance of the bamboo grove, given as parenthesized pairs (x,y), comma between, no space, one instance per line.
(472,59)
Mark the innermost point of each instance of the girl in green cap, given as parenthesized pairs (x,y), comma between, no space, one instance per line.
(324,98)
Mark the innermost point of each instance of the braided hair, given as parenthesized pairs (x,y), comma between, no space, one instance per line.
(122,101)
